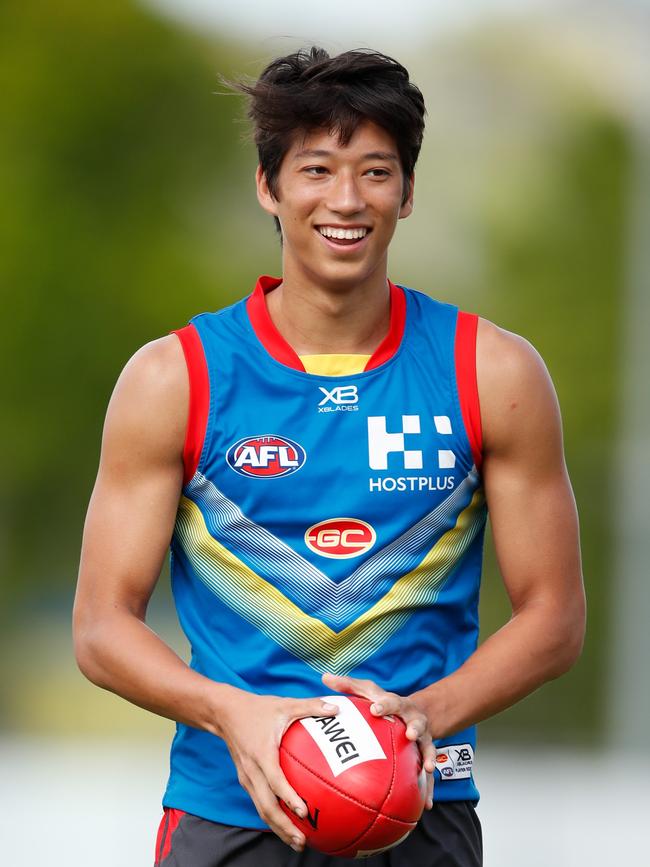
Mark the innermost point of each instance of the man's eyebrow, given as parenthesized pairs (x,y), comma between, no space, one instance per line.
(381,155)
(373,155)
(312,153)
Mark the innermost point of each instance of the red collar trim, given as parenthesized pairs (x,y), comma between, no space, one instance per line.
(390,344)
(263,326)
(278,348)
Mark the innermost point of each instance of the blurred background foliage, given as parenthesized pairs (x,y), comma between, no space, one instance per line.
(129,205)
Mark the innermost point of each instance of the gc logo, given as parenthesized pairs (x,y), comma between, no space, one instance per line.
(340,538)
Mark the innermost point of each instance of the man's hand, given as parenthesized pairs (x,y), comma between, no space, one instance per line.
(252,727)
(418,727)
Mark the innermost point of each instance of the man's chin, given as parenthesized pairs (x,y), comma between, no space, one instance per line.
(343,276)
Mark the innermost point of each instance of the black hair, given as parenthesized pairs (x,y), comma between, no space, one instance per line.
(310,90)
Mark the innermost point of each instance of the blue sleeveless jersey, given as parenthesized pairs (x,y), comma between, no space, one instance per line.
(332,523)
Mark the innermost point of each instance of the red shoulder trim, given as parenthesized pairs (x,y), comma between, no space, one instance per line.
(263,326)
(197,419)
(390,344)
(465,358)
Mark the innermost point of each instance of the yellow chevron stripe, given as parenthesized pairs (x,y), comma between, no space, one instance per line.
(262,604)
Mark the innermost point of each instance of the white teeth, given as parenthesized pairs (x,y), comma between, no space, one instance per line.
(343,234)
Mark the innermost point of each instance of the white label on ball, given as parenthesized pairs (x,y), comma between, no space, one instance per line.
(454,762)
(346,739)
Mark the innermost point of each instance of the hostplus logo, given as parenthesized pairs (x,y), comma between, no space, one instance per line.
(341,398)
(396,446)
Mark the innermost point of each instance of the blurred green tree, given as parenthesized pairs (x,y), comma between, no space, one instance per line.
(115,158)
(556,275)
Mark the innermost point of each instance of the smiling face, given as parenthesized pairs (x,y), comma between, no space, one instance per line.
(338,206)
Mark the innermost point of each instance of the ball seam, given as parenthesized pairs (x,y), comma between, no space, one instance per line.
(345,795)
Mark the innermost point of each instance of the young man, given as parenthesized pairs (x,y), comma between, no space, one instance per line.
(320,455)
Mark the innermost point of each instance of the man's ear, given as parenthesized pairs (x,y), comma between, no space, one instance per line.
(407,206)
(264,194)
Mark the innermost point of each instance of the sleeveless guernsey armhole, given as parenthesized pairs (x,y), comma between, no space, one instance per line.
(465,359)
(197,419)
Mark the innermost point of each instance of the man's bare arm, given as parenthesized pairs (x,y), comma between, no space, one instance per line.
(127,533)
(535,529)
(128,527)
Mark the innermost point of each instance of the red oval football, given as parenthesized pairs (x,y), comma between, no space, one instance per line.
(360,777)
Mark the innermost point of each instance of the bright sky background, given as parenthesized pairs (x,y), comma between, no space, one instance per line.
(359,22)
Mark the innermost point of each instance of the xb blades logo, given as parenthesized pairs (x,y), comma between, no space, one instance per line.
(341,394)
(341,397)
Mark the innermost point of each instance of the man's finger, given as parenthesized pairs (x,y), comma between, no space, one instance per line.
(283,790)
(302,708)
(417,726)
(429,800)
(428,752)
(270,811)
(354,685)
(338,682)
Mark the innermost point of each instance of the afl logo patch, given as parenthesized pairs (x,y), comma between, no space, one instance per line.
(265,456)
(340,538)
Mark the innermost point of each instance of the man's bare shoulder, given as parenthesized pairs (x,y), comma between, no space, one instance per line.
(149,404)
(516,392)
(505,356)
(158,365)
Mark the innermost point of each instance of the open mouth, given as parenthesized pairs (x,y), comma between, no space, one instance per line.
(344,237)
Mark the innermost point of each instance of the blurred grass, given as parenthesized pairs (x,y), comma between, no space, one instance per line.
(46,694)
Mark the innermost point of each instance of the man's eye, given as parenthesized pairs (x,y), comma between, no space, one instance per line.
(315,170)
(378,173)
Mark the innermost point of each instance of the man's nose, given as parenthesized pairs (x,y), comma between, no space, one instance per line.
(345,195)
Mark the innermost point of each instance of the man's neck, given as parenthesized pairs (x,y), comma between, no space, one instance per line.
(316,320)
